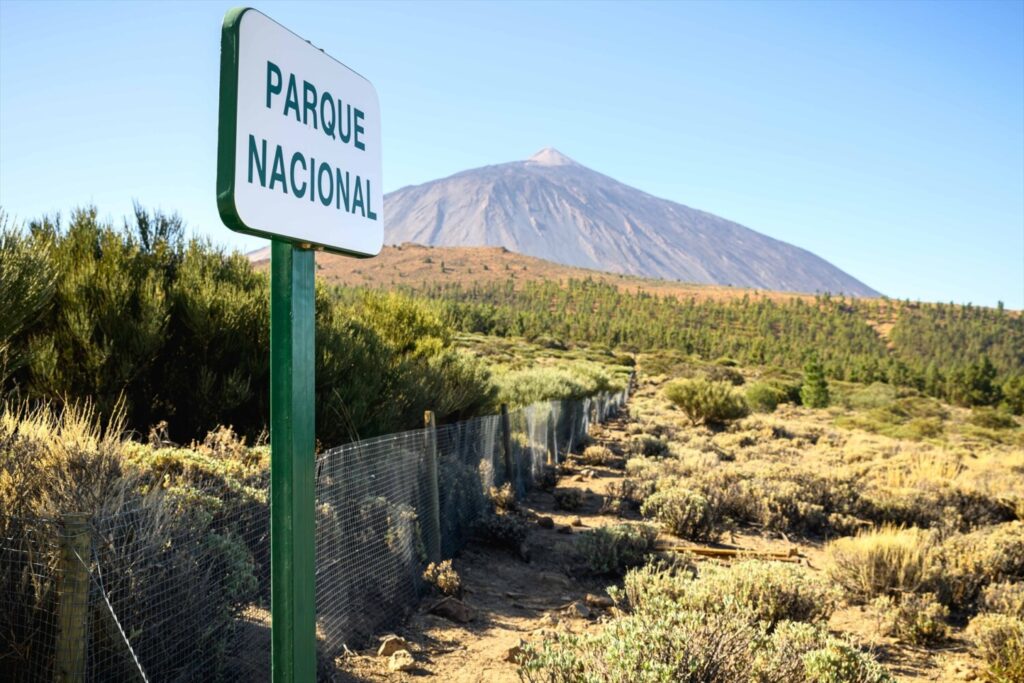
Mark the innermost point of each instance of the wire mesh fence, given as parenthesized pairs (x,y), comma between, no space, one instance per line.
(166,588)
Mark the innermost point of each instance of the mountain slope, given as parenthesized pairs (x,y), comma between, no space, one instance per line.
(553,208)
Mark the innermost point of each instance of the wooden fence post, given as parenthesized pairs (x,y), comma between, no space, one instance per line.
(73,599)
(552,455)
(506,447)
(430,442)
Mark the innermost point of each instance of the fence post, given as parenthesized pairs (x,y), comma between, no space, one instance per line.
(552,455)
(430,442)
(73,599)
(506,447)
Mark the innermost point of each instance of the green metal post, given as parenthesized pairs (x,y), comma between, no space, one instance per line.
(292,546)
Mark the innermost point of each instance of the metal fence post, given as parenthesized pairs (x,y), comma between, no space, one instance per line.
(73,599)
(434,493)
(506,446)
(292,465)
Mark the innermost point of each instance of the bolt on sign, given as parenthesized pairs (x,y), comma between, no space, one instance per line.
(298,161)
(300,143)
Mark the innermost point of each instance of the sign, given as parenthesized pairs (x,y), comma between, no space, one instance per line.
(298,161)
(299,153)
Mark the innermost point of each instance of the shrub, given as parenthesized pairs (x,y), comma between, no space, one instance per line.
(648,446)
(765,397)
(990,418)
(914,617)
(685,513)
(614,549)
(443,577)
(841,662)
(656,645)
(759,591)
(1000,642)
(597,455)
(503,498)
(708,403)
(886,561)
(569,499)
(970,562)
(148,539)
(504,531)
(1004,598)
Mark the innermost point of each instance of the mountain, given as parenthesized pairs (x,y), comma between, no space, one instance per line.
(553,208)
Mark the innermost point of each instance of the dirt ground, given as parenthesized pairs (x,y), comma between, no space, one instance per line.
(515,601)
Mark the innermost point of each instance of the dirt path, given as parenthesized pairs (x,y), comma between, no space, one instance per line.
(512,600)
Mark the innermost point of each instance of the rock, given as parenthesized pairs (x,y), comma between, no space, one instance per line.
(564,529)
(515,653)
(454,610)
(598,601)
(545,522)
(390,645)
(579,610)
(577,521)
(401,660)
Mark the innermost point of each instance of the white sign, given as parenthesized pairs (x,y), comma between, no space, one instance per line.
(299,155)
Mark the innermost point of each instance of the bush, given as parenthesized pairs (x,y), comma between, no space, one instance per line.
(990,418)
(444,578)
(886,561)
(597,455)
(708,403)
(503,498)
(685,513)
(1000,642)
(1004,598)
(969,562)
(761,592)
(569,499)
(765,397)
(614,549)
(914,618)
(148,534)
(504,531)
(657,645)
(840,662)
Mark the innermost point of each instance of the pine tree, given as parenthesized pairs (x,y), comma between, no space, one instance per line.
(814,392)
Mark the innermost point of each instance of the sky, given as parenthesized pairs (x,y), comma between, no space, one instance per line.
(887,138)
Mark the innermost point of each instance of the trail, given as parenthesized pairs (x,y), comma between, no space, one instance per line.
(513,600)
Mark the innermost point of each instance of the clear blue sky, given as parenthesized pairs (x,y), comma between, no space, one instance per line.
(886,137)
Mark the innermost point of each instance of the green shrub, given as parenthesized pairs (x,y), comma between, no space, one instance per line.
(648,446)
(708,403)
(916,618)
(840,662)
(765,397)
(614,549)
(999,639)
(761,592)
(656,645)
(685,513)
(991,418)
